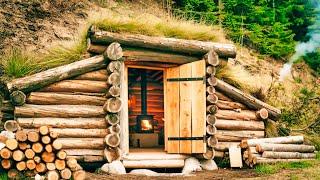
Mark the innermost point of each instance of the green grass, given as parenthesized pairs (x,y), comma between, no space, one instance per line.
(3,175)
(274,168)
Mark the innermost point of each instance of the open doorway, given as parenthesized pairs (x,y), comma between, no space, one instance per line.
(146,109)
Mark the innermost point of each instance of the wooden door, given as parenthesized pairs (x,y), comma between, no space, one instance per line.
(185,108)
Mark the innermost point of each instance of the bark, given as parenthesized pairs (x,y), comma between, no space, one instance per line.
(39,80)
(212,99)
(86,123)
(47,98)
(227,105)
(275,140)
(84,86)
(29,153)
(212,81)
(18,155)
(59,111)
(5,153)
(114,79)
(164,44)
(114,66)
(11,144)
(113,105)
(211,129)
(285,148)
(11,125)
(113,52)
(231,136)
(66,173)
(288,155)
(114,91)
(239,125)
(37,147)
(53,175)
(245,115)
(18,98)
(209,154)
(81,143)
(212,141)
(112,154)
(211,90)
(246,99)
(212,58)
(211,119)
(100,75)
(33,136)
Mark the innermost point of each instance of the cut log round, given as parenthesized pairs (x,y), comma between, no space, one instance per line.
(38,80)
(212,141)
(3,139)
(44,130)
(29,154)
(275,140)
(18,155)
(114,66)
(211,90)
(21,135)
(113,52)
(54,135)
(212,81)
(244,115)
(211,129)
(113,105)
(212,109)
(66,173)
(112,119)
(114,79)
(288,155)
(5,153)
(239,125)
(45,139)
(18,98)
(23,146)
(6,163)
(210,70)
(48,157)
(60,164)
(211,119)
(114,91)
(21,166)
(57,145)
(41,167)
(227,105)
(13,174)
(72,163)
(79,175)
(48,148)
(50,166)
(33,136)
(11,125)
(212,99)
(100,75)
(112,140)
(53,175)
(261,147)
(37,147)
(209,154)
(114,129)
(84,86)
(112,154)
(164,44)
(12,144)
(212,58)
(61,154)
(31,165)
(37,159)
(262,113)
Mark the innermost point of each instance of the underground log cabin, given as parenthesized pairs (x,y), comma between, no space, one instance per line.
(140,98)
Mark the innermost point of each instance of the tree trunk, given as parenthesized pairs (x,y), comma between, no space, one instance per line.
(29,153)
(84,86)
(87,123)
(112,119)
(212,81)
(212,99)
(239,125)
(247,99)
(114,79)
(60,111)
(5,153)
(31,165)
(61,154)
(81,143)
(164,44)
(224,146)
(79,175)
(11,125)
(114,91)
(18,98)
(285,148)
(6,163)
(21,166)
(288,155)
(245,115)
(231,136)
(227,105)
(46,98)
(11,144)
(112,154)
(275,140)
(113,52)
(41,167)
(39,80)
(60,164)
(113,105)
(37,147)
(53,175)
(112,140)
(211,119)
(18,155)
(211,90)
(211,129)
(66,173)
(212,141)
(100,75)
(33,136)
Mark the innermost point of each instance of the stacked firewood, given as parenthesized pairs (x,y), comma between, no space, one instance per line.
(278,149)
(38,152)
(113,104)
(6,111)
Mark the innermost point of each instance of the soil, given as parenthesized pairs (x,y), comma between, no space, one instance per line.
(34,25)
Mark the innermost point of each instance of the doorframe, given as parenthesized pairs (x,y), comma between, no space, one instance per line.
(124,113)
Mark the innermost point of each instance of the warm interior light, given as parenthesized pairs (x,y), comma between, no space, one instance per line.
(132,101)
(146,124)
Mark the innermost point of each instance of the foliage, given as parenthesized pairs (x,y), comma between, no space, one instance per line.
(313,60)
(274,168)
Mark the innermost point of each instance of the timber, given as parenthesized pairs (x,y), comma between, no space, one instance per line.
(224,146)
(6,163)
(245,115)
(275,140)
(212,99)
(211,129)
(81,143)
(84,86)
(239,125)
(11,125)
(66,173)
(11,144)
(18,155)
(48,98)
(212,58)
(59,111)
(212,109)
(44,130)
(112,154)
(246,99)
(261,160)
(173,163)
(112,105)
(5,153)
(231,136)
(79,175)
(114,91)
(79,132)
(150,64)
(284,148)
(212,81)
(53,175)
(100,75)
(113,52)
(288,155)
(112,140)
(114,66)
(227,105)
(262,114)
(33,136)
(114,79)
(39,80)
(17,98)
(211,70)
(212,141)
(21,166)
(112,119)
(61,154)
(84,152)
(164,44)
(211,119)
(211,90)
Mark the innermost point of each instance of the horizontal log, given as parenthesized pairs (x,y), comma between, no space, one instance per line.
(223,97)
(284,148)
(246,99)
(86,123)
(230,105)
(88,158)
(81,143)
(164,44)
(232,136)
(261,160)
(78,132)
(288,155)
(84,152)
(172,163)
(86,86)
(245,115)
(275,140)
(46,98)
(100,75)
(60,111)
(239,125)
(224,146)
(150,64)
(39,80)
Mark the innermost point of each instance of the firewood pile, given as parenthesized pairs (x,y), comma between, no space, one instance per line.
(278,149)
(33,152)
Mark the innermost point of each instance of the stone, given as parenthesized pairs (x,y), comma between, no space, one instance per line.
(191,165)
(115,167)
(209,165)
(145,172)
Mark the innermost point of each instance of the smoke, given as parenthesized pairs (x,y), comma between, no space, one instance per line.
(302,48)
